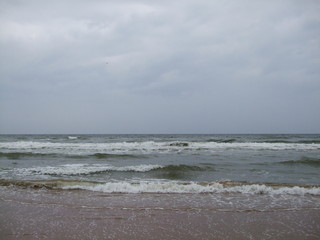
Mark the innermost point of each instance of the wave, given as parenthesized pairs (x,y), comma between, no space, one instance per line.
(48,184)
(310,141)
(294,142)
(83,169)
(178,172)
(108,155)
(305,161)
(171,171)
(72,137)
(18,155)
(230,140)
(179,144)
(219,187)
(183,167)
(80,148)
(193,187)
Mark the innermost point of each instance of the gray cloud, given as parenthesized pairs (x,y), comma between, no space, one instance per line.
(159,66)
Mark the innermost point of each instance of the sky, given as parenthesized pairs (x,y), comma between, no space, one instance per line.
(178,66)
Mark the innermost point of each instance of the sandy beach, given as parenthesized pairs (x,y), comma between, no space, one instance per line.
(59,214)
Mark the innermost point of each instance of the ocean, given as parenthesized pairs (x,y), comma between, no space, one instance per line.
(219,173)
(162,163)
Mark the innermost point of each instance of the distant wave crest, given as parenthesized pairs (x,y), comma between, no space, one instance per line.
(86,148)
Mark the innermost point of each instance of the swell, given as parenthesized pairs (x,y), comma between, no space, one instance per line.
(230,140)
(169,171)
(179,172)
(20,155)
(183,167)
(109,155)
(48,184)
(304,160)
(293,141)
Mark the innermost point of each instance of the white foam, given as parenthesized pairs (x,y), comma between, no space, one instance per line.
(192,187)
(72,137)
(81,169)
(143,187)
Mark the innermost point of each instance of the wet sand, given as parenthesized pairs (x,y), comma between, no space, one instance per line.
(60,214)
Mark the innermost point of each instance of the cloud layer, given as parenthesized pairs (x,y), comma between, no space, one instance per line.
(159,66)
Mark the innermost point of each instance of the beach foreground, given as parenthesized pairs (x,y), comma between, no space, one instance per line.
(78,214)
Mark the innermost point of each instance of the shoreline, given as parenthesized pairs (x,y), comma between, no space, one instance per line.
(78,214)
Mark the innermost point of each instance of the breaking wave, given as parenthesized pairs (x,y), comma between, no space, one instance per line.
(193,187)
(83,169)
(88,169)
(219,187)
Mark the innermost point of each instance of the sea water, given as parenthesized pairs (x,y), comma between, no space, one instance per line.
(165,163)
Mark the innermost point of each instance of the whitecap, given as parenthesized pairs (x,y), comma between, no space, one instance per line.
(72,137)
(83,169)
(193,187)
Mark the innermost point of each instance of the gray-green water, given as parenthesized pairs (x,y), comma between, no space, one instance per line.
(162,163)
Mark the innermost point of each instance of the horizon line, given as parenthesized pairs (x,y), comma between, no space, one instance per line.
(280,133)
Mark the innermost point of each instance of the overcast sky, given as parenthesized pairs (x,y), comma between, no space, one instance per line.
(178,66)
